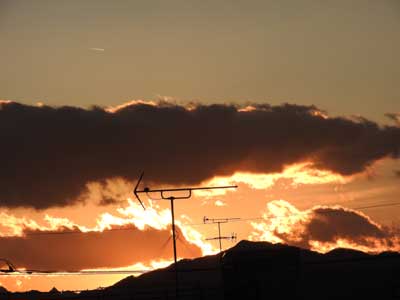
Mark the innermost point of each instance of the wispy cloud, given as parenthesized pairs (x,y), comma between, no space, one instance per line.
(98,49)
(220,203)
(394,117)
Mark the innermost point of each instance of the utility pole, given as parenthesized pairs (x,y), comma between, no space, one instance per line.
(171,198)
(219,222)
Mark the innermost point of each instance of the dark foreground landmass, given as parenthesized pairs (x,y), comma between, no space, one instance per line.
(256,270)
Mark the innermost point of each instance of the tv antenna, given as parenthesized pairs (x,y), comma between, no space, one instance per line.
(232,237)
(165,194)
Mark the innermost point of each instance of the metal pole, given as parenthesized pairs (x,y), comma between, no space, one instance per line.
(174,243)
(219,236)
(173,227)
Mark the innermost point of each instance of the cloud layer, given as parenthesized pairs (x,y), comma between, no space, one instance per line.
(66,249)
(124,237)
(324,228)
(49,154)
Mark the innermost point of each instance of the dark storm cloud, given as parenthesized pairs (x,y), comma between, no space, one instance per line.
(331,224)
(75,250)
(48,154)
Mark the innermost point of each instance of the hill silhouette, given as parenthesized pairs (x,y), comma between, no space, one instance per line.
(260,270)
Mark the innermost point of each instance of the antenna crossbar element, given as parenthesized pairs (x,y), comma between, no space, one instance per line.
(136,192)
(162,192)
(221,220)
(232,237)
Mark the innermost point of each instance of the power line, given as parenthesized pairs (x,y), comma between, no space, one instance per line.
(378,205)
(300,213)
(45,232)
(201,224)
(197,269)
(17,272)
(96,272)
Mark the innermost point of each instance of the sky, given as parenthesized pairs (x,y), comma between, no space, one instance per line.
(339,55)
(296,102)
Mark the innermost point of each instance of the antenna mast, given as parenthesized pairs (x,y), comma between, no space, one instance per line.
(172,198)
(219,222)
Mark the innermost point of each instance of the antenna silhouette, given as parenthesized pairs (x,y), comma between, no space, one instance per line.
(136,192)
(219,222)
(9,264)
(172,198)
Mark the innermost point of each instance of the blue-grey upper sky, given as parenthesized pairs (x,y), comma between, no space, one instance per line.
(339,55)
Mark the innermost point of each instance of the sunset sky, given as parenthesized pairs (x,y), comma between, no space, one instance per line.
(296,102)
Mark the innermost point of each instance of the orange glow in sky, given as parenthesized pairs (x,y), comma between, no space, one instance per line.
(279,220)
(293,175)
